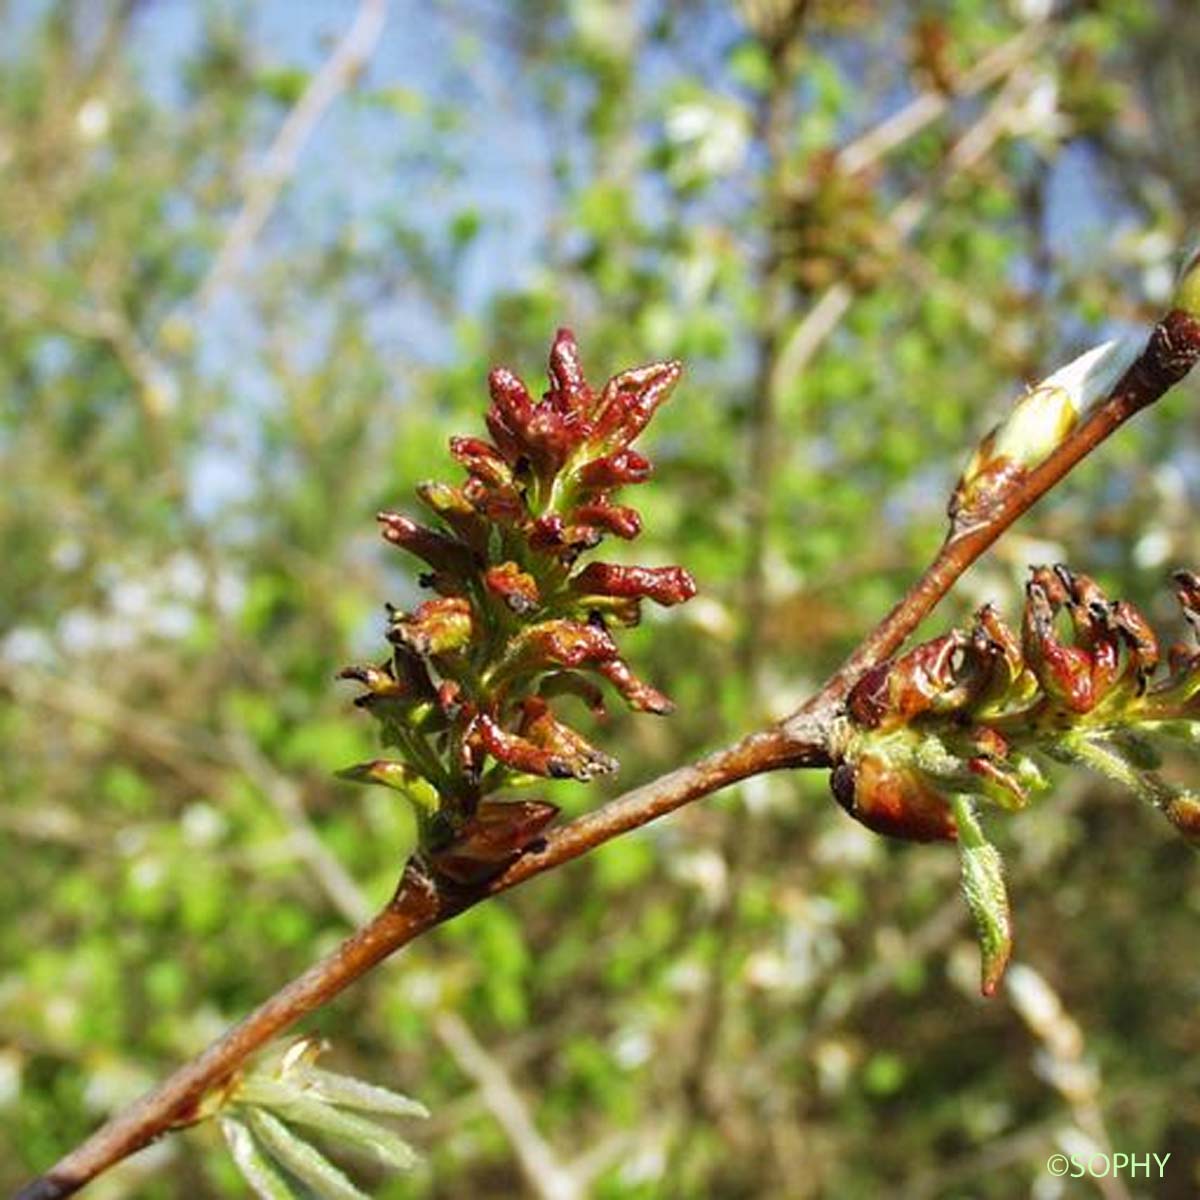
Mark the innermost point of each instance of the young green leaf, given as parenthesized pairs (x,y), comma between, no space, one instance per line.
(986,895)
(265,1178)
(298,1107)
(348,1092)
(302,1158)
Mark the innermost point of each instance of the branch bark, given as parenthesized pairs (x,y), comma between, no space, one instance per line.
(802,740)
(418,905)
(1170,353)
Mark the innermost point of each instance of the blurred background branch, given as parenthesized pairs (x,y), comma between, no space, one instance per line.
(279,163)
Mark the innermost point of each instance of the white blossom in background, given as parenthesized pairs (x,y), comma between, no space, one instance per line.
(1153,254)
(835,1060)
(25,646)
(202,825)
(92,120)
(1038,116)
(67,554)
(711,134)
(1032,11)
(162,602)
(704,870)
(632,1047)
(1152,549)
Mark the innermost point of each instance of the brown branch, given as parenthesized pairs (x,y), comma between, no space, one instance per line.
(928,106)
(801,741)
(418,905)
(1170,353)
(279,163)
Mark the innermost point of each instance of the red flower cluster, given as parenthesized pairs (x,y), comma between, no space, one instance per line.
(518,620)
(947,690)
(985,699)
(966,717)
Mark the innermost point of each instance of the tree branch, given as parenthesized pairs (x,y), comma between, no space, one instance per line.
(547,1177)
(418,905)
(279,163)
(1170,353)
(803,740)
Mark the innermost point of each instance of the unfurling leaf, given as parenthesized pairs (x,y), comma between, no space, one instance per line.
(302,1159)
(298,1107)
(262,1115)
(347,1092)
(258,1169)
(985,893)
(968,716)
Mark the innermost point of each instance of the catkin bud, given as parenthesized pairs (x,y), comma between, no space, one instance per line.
(1187,289)
(1038,423)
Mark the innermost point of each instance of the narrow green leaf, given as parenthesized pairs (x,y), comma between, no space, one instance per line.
(302,1158)
(348,1092)
(263,1176)
(298,1108)
(397,776)
(986,895)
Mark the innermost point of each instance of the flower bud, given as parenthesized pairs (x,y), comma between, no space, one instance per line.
(481,460)
(641,697)
(1064,672)
(473,671)
(663,585)
(625,522)
(540,727)
(613,470)
(892,799)
(926,679)
(630,399)
(440,552)
(492,838)
(518,589)
(451,506)
(437,627)
(1038,423)
(1187,289)
(1183,811)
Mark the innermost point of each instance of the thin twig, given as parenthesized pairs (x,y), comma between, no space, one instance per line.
(418,905)
(335,881)
(1065,1064)
(537,1159)
(926,107)
(549,1179)
(1170,353)
(337,73)
(803,740)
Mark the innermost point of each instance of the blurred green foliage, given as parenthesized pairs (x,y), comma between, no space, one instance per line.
(754,998)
